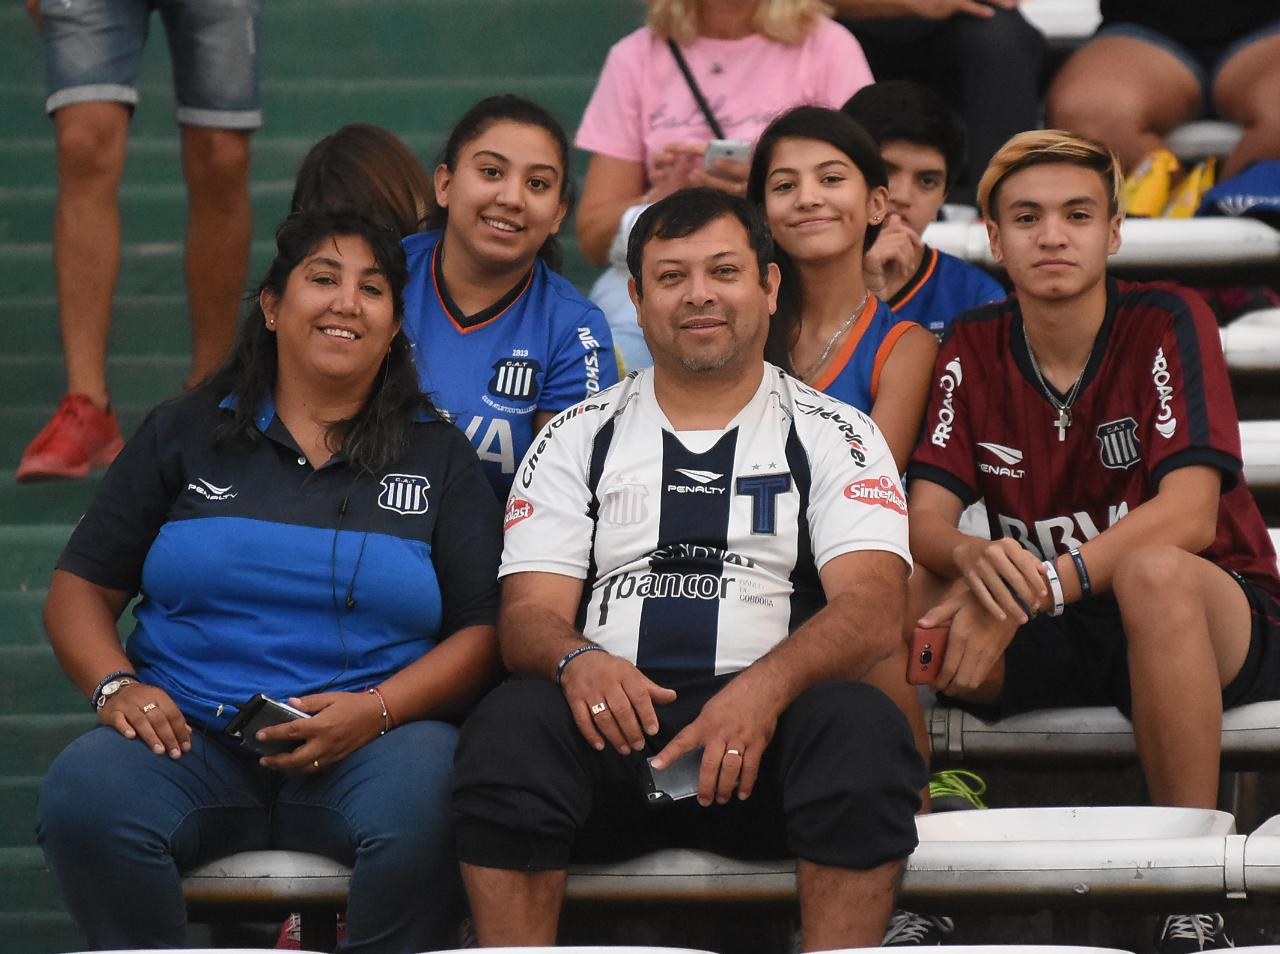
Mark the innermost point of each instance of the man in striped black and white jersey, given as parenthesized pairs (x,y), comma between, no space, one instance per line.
(704,558)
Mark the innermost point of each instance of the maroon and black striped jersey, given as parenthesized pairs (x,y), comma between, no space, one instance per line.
(1154,397)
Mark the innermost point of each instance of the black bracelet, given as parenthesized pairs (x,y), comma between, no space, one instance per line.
(1086,588)
(573,654)
(97,690)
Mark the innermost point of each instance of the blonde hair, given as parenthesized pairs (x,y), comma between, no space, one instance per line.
(783,21)
(1040,146)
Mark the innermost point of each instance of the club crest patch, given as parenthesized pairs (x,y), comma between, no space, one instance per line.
(404,493)
(515,379)
(1118,443)
(624,504)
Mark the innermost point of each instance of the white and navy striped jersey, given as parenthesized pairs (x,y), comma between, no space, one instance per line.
(700,550)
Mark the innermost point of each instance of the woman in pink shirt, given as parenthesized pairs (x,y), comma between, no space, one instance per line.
(751,60)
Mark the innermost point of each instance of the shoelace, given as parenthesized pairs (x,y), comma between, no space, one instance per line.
(959,783)
(907,927)
(1200,928)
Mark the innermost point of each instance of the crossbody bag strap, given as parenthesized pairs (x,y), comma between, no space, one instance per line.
(701,100)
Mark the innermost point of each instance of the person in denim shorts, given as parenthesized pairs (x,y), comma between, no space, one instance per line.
(93,51)
(1156,64)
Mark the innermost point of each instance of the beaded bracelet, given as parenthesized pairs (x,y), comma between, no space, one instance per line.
(573,654)
(386,713)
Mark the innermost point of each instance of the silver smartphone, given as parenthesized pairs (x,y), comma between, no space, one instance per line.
(737,149)
(678,780)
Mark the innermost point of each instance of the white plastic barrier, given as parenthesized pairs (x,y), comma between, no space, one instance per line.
(1260,446)
(1145,243)
(1252,341)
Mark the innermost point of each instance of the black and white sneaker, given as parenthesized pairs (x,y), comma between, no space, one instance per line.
(1188,933)
(908,929)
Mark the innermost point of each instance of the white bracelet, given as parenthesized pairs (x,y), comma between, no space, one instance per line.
(1055,587)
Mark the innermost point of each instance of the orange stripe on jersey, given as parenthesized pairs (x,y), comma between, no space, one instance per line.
(467,329)
(883,352)
(907,295)
(850,345)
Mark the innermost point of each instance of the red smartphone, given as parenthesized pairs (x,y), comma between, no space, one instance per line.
(928,646)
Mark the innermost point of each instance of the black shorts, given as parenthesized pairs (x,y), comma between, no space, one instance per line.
(839,785)
(1080,659)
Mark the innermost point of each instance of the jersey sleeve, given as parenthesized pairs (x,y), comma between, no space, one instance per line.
(944,454)
(110,543)
(856,501)
(548,527)
(612,124)
(1188,413)
(466,541)
(582,364)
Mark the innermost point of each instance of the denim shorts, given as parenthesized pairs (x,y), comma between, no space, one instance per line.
(1205,61)
(93,49)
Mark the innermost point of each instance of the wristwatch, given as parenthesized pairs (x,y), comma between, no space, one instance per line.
(111,688)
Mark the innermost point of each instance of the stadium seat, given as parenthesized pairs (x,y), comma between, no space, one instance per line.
(1252,341)
(1262,861)
(271,884)
(1260,445)
(1145,243)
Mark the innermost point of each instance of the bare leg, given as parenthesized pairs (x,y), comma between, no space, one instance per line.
(219,227)
(1125,92)
(515,908)
(86,236)
(1247,91)
(842,907)
(1187,624)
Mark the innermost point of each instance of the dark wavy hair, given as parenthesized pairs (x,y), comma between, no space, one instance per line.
(900,110)
(375,437)
(366,168)
(508,108)
(843,133)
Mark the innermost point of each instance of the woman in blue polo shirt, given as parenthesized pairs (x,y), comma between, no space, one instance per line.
(820,181)
(303,527)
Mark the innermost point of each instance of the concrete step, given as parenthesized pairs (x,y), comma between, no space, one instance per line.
(27,555)
(18,810)
(21,611)
(32,683)
(18,502)
(40,932)
(33,741)
(140,325)
(392,37)
(26,884)
(37,380)
(292,105)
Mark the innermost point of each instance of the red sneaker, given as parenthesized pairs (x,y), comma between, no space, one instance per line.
(78,438)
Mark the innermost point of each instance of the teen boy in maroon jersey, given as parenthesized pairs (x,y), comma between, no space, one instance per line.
(1129,564)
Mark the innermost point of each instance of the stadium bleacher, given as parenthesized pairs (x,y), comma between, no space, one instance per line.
(410,66)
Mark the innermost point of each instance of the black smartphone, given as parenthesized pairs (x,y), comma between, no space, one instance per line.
(678,780)
(258,713)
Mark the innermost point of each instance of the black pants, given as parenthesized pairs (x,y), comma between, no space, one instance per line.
(839,785)
(990,70)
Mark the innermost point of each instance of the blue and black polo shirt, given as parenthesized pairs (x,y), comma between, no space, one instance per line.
(259,573)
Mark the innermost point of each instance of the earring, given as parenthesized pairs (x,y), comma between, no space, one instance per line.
(271,324)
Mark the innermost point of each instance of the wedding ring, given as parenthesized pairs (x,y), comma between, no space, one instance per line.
(149,706)
(599,707)
(733,752)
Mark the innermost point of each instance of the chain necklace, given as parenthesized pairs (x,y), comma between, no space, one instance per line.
(1063,420)
(835,338)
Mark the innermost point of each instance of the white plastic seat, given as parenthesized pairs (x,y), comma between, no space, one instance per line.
(999,949)
(268,877)
(1260,447)
(588,949)
(1252,341)
(1063,22)
(1145,243)
(1030,857)
(1262,860)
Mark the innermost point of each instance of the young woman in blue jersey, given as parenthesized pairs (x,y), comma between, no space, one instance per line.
(304,527)
(503,342)
(819,178)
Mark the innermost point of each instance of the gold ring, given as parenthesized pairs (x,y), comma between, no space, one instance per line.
(733,752)
(599,707)
(149,706)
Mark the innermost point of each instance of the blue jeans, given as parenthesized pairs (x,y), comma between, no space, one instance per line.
(119,825)
(93,50)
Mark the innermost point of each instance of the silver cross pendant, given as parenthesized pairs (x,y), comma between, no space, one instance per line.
(1063,422)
